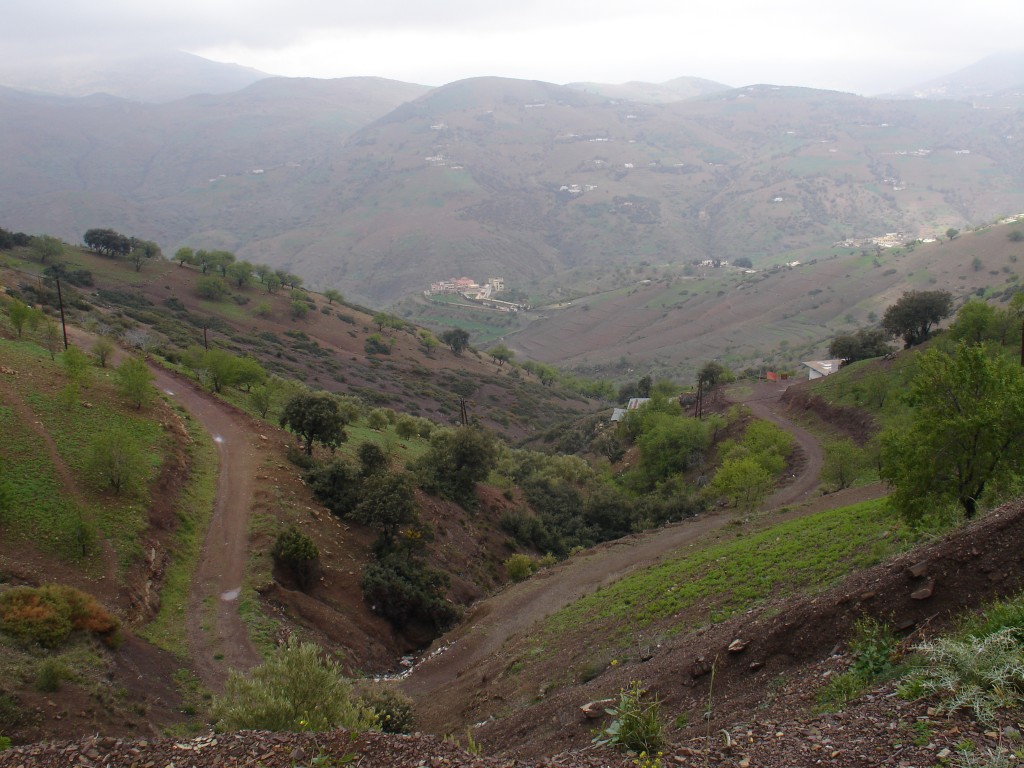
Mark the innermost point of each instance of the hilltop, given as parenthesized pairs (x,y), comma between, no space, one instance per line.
(378,188)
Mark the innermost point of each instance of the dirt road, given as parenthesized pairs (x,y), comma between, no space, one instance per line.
(217,638)
(518,608)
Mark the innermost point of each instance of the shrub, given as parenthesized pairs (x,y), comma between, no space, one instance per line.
(115,460)
(337,486)
(979,674)
(297,553)
(405,590)
(873,648)
(211,288)
(635,725)
(297,689)
(406,427)
(519,567)
(393,708)
(47,615)
(49,676)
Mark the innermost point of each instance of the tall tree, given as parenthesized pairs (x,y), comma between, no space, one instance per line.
(964,435)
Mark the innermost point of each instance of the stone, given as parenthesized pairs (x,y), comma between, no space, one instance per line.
(595,709)
(918,570)
(737,645)
(924,592)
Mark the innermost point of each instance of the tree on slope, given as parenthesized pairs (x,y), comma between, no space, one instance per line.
(964,435)
(315,418)
(914,314)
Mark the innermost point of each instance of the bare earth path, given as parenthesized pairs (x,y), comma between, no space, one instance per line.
(518,608)
(217,638)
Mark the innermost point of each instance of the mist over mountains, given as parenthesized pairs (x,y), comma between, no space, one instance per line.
(376,186)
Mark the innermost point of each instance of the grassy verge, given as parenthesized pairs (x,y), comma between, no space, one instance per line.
(194,508)
(66,520)
(725,579)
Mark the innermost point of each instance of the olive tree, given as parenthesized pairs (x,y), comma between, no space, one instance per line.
(315,418)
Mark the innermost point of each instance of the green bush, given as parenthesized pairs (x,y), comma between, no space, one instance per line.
(873,648)
(337,486)
(393,708)
(406,591)
(297,689)
(296,552)
(635,725)
(519,567)
(51,673)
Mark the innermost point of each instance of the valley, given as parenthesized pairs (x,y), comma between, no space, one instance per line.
(274,492)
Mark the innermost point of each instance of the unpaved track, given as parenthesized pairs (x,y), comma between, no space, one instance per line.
(492,622)
(217,638)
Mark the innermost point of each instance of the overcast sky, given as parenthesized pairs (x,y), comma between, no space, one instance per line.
(867,46)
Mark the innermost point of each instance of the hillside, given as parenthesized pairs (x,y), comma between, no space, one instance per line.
(379,189)
(666,321)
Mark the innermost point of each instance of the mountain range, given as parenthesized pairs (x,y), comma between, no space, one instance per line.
(378,187)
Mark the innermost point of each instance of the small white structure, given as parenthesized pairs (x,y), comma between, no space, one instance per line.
(818,369)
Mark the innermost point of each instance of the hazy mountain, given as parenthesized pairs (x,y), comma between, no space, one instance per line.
(996,80)
(156,77)
(378,187)
(679,89)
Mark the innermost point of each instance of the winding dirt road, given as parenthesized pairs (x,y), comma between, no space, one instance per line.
(492,622)
(217,638)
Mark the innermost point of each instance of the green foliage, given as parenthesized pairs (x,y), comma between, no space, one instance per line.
(457,339)
(337,486)
(50,674)
(963,435)
(406,591)
(333,295)
(297,689)
(636,725)
(914,313)
(372,459)
(296,552)
(116,460)
(393,708)
(18,313)
(743,481)
(76,364)
(315,418)
(211,288)
(844,463)
(387,501)
(501,354)
(102,349)
(298,309)
(980,674)
(456,461)
(47,615)
(519,567)
(377,419)
(862,344)
(375,345)
(873,648)
(134,382)
(670,445)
